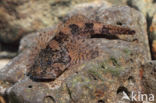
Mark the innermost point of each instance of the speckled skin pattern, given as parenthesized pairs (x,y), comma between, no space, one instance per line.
(69,46)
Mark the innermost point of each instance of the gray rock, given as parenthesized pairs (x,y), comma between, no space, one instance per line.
(100,80)
(147,7)
(3,62)
(149,77)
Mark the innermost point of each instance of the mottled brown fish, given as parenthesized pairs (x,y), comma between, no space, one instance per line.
(69,46)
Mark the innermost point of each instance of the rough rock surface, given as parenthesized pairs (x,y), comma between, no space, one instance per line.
(148,8)
(3,62)
(101,80)
(149,77)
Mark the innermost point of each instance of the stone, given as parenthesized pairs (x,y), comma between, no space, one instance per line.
(102,79)
(3,62)
(147,7)
(117,2)
(149,77)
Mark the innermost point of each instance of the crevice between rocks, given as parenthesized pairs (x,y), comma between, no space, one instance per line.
(150,38)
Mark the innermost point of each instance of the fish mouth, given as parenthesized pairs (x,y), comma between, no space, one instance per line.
(41,78)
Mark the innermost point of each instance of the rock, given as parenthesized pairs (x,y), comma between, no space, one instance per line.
(101,80)
(20,17)
(88,9)
(117,2)
(149,77)
(147,7)
(3,62)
